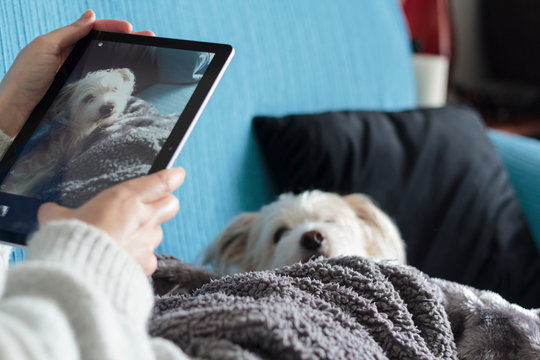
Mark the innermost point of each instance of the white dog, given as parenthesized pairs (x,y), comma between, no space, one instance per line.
(93,102)
(297,228)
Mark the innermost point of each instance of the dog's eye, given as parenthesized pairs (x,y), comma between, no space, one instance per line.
(329,221)
(88,98)
(279,233)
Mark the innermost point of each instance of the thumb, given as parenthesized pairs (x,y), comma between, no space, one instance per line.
(51,211)
(69,35)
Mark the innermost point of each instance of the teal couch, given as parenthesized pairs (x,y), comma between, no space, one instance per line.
(298,56)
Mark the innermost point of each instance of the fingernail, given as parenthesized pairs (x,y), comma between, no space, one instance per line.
(87,15)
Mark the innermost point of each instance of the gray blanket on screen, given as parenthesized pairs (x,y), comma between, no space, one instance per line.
(343,308)
(124,150)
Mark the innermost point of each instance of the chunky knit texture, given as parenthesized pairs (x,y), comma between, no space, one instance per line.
(342,308)
(78,295)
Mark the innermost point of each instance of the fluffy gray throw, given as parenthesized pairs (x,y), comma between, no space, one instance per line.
(125,150)
(343,308)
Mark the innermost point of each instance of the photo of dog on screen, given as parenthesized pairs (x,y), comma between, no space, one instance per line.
(81,107)
(108,123)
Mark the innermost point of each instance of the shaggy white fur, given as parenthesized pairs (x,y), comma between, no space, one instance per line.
(95,101)
(296,228)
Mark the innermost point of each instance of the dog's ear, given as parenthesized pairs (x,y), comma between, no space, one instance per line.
(229,247)
(63,98)
(364,208)
(127,75)
(385,240)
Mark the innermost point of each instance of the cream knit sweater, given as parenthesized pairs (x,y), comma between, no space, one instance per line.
(78,295)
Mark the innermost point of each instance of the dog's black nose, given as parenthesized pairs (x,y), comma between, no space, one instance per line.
(312,240)
(106,109)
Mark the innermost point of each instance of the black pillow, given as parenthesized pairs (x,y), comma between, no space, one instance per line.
(434,171)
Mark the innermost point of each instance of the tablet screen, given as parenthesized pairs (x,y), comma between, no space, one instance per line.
(108,123)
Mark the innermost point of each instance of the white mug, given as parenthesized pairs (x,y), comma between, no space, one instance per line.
(431,79)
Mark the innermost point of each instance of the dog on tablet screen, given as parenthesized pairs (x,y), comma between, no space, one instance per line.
(93,102)
(297,228)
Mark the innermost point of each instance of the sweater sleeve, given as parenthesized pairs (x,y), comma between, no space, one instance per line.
(78,295)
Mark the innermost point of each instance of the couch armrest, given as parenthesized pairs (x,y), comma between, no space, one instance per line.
(521,157)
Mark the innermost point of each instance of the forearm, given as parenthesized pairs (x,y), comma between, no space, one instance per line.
(78,295)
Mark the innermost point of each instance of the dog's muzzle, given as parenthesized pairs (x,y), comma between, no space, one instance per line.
(106,110)
(101,124)
(312,242)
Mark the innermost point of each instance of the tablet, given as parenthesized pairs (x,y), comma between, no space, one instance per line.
(121,106)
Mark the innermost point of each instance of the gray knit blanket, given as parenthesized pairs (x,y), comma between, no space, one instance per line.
(340,308)
(125,150)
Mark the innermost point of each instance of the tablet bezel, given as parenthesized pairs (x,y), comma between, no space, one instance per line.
(223,54)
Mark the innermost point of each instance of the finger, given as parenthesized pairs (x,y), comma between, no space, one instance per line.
(51,211)
(156,236)
(120,26)
(145,33)
(164,209)
(69,35)
(147,239)
(150,265)
(155,186)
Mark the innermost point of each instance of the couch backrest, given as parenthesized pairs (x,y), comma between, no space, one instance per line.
(291,56)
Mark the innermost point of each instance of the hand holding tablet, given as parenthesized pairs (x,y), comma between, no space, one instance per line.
(35,67)
(121,106)
(130,212)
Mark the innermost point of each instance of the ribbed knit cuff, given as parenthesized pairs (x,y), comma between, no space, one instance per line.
(90,252)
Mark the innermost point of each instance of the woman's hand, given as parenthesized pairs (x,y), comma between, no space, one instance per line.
(131,213)
(36,65)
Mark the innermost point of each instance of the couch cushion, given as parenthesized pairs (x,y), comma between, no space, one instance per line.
(434,171)
(521,157)
(291,56)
